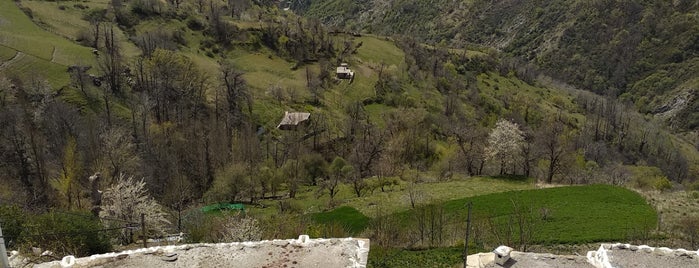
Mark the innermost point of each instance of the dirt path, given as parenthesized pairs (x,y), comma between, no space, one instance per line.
(53,54)
(18,56)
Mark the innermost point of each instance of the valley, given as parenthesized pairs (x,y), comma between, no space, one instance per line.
(167,107)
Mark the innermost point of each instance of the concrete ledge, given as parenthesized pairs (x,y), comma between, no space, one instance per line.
(626,255)
(302,252)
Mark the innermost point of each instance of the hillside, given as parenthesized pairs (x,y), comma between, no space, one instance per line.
(166,107)
(644,52)
(27,50)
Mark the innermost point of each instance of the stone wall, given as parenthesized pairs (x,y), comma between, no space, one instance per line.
(626,255)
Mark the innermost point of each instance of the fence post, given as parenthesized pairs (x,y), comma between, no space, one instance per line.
(143,230)
(468,230)
(4,262)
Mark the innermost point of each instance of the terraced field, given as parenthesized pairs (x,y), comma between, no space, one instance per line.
(44,54)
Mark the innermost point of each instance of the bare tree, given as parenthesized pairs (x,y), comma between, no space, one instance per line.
(119,154)
(237,96)
(110,62)
(554,146)
(414,194)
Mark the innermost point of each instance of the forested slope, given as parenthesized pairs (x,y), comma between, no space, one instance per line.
(185,97)
(644,52)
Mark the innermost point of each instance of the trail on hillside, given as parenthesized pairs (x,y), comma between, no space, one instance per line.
(18,56)
(53,54)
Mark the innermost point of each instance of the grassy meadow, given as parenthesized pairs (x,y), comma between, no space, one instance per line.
(574,214)
(563,215)
(45,54)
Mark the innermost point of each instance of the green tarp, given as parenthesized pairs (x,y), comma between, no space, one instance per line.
(223,206)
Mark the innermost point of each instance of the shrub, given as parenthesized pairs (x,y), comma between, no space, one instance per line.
(77,233)
(239,229)
(85,38)
(198,226)
(125,18)
(195,24)
(662,183)
(221,227)
(12,219)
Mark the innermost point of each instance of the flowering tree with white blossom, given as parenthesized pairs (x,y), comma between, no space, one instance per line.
(125,201)
(504,143)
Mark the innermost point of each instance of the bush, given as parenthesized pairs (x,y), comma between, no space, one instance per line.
(195,24)
(77,233)
(221,227)
(12,220)
(662,183)
(694,186)
(85,38)
(198,226)
(239,229)
(125,18)
(645,177)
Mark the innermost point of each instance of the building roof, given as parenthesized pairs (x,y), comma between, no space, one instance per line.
(293,119)
(343,70)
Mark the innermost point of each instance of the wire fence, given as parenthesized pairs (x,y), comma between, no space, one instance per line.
(72,233)
(14,202)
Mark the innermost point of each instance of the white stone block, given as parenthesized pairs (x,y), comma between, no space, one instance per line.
(502,254)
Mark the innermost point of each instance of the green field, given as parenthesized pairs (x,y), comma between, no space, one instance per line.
(576,214)
(348,217)
(395,199)
(28,67)
(6,53)
(377,51)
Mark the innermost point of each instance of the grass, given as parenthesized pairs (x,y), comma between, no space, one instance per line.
(377,51)
(20,33)
(6,53)
(577,214)
(65,22)
(394,199)
(29,67)
(350,218)
(68,23)
(675,207)
(262,70)
(508,91)
(47,54)
(438,257)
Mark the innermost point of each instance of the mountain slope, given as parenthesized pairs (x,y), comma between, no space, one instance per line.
(34,51)
(646,52)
